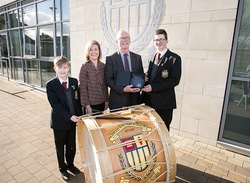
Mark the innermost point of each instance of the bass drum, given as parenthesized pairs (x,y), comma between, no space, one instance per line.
(125,146)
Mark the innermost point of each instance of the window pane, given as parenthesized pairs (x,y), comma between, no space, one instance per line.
(33,71)
(13,17)
(65,9)
(4,66)
(15,42)
(58,39)
(57,10)
(242,62)
(3,45)
(66,40)
(238,116)
(18,69)
(30,41)
(2,22)
(29,15)
(47,71)
(45,12)
(46,42)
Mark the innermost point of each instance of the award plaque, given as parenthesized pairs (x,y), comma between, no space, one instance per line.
(137,80)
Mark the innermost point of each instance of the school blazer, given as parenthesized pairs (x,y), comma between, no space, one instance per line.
(167,77)
(60,112)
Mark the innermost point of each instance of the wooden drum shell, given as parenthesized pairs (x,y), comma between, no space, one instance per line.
(126,146)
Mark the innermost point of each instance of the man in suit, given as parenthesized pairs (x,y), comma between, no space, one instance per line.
(163,75)
(63,96)
(122,61)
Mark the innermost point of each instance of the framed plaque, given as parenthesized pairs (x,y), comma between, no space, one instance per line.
(137,80)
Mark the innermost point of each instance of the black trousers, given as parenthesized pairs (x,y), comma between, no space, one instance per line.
(98,107)
(165,114)
(65,142)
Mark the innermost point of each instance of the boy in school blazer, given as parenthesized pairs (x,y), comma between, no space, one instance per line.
(64,98)
(163,75)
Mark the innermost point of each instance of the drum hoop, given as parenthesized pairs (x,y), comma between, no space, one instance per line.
(153,118)
(117,111)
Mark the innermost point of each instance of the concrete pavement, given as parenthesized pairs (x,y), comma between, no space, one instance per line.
(27,152)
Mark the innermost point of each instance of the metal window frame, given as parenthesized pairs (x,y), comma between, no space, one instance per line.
(236,146)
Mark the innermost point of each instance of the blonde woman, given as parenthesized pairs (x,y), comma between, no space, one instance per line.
(93,91)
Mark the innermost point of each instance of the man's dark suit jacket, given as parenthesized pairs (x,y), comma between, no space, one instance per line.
(167,76)
(114,64)
(60,112)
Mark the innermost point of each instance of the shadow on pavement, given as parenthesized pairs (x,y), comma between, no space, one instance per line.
(186,174)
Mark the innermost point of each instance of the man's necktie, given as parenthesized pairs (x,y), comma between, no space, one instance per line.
(64,84)
(126,66)
(158,58)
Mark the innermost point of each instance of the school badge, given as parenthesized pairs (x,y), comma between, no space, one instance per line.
(76,95)
(164,73)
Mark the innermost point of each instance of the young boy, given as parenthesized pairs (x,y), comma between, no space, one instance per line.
(63,96)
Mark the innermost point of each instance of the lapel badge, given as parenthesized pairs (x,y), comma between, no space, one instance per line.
(76,95)
(164,74)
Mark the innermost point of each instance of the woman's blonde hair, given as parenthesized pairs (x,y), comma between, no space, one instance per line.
(87,49)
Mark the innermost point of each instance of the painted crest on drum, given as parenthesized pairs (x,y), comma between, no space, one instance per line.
(136,150)
(139,155)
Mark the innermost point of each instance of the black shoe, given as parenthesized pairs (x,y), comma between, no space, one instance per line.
(65,176)
(74,170)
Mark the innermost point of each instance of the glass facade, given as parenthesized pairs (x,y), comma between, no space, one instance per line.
(45,10)
(46,43)
(33,72)
(47,71)
(2,22)
(15,42)
(30,42)
(18,69)
(13,18)
(236,116)
(32,33)
(29,15)
(4,46)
